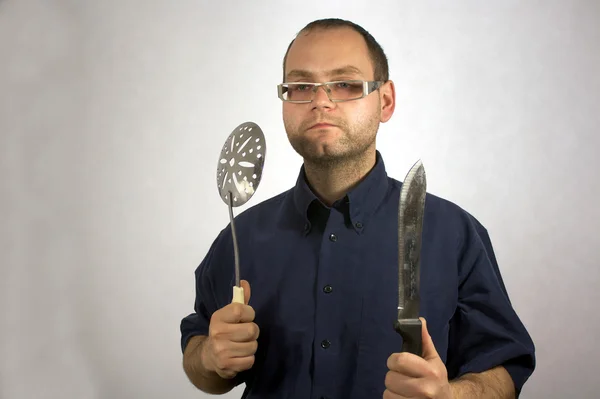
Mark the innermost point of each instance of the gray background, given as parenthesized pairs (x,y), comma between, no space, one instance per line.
(112,114)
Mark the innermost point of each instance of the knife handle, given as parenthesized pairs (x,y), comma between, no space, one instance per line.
(238,294)
(410,330)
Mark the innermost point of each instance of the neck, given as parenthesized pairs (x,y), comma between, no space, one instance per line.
(331,181)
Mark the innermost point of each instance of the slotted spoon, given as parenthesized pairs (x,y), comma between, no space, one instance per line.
(239,172)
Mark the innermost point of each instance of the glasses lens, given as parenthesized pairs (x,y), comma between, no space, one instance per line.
(343,90)
(298,91)
(347,90)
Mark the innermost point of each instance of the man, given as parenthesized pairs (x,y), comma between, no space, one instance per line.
(320,262)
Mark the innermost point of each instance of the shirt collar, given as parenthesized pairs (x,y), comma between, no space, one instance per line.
(362,201)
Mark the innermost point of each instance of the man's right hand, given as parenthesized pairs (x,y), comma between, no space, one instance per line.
(232,338)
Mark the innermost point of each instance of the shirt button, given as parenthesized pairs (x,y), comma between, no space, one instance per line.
(327,289)
(325,344)
(333,237)
(359,225)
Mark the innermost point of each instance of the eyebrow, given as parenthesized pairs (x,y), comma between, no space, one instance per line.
(348,69)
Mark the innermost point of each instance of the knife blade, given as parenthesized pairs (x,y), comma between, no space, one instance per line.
(410,226)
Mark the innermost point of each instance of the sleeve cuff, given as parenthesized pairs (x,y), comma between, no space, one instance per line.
(192,325)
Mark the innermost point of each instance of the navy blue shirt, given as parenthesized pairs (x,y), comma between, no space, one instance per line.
(324,286)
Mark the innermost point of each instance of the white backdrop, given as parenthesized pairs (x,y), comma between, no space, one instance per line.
(112,115)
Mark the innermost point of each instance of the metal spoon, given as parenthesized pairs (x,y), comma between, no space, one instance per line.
(239,172)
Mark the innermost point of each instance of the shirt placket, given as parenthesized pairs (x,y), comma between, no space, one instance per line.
(329,305)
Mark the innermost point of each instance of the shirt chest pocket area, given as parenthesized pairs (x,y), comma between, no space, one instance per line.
(438,299)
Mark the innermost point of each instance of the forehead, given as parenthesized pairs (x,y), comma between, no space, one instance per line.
(323,53)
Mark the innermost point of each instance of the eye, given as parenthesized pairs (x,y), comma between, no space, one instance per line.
(299,87)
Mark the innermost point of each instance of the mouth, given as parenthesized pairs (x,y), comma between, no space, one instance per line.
(321,126)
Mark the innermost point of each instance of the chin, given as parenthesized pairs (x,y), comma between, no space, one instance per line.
(322,148)
(325,155)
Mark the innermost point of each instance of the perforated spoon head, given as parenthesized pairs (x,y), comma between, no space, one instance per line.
(241,163)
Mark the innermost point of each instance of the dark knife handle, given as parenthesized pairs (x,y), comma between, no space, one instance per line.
(410,330)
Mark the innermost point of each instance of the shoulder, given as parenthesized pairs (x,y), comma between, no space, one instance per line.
(265,214)
(259,217)
(448,220)
(443,211)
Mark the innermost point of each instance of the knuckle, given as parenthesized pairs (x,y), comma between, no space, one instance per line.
(400,359)
(249,363)
(251,332)
(246,331)
(219,349)
(227,374)
(227,364)
(388,379)
(236,311)
(429,392)
(218,316)
(256,331)
(221,363)
(216,329)
(390,362)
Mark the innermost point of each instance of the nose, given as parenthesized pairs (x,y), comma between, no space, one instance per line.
(321,98)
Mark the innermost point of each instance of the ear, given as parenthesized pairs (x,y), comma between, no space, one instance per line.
(387,94)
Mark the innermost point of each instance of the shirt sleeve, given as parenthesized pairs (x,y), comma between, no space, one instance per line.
(214,279)
(205,303)
(485,330)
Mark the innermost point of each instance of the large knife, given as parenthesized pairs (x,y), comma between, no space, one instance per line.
(410,226)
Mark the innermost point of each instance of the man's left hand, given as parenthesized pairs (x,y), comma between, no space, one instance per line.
(411,376)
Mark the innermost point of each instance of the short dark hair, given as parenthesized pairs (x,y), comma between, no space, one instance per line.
(378,57)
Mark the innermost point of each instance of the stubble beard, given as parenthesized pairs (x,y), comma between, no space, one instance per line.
(350,146)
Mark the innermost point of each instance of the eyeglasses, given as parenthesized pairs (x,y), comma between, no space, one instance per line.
(338,91)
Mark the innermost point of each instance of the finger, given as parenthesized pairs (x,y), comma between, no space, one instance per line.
(244,332)
(236,313)
(407,386)
(242,363)
(231,349)
(429,351)
(394,381)
(387,394)
(246,286)
(235,365)
(409,364)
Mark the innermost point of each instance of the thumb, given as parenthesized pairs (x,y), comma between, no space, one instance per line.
(429,351)
(246,286)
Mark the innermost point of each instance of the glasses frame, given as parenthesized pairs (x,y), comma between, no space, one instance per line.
(369,86)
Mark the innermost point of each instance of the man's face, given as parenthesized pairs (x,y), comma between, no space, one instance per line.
(328,55)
